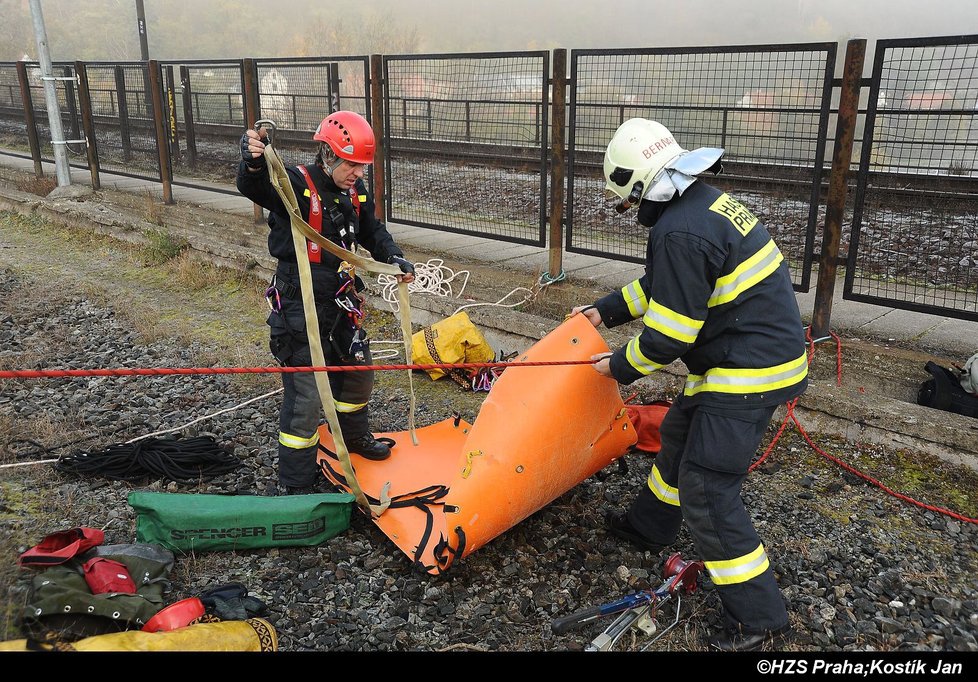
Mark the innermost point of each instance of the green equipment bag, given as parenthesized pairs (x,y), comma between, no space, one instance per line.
(188,522)
(62,608)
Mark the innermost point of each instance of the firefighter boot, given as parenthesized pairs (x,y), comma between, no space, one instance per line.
(737,640)
(369,447)
(619,525)
(359,440)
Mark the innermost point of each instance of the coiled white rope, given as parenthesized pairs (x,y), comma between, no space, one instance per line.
(432,277)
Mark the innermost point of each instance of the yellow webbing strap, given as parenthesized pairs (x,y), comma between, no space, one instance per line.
(300,232)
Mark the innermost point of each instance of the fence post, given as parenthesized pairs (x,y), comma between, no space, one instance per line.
(120,87)
(333,83)
(379,168)
(171,115)
(88,123)
(71,104)
(162,147)
(557,168)
(845,128)
(25,95)
(190,135)
(252,109)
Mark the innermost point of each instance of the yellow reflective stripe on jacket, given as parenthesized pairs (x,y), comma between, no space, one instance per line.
(671,324)
(661,489)
(297,442)
(362,198)
(728,380)
(637,359)
(753,270)
(739,570)
(349,407)
(635,298)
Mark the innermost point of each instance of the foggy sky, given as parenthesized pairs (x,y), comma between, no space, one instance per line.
(106,29)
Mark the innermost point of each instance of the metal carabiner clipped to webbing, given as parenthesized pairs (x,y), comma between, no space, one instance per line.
(269,125)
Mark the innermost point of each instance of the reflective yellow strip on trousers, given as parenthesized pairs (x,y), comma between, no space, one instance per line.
(739,570)
(300,232)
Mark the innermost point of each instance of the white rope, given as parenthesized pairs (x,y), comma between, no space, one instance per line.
(206,416)
(158,433)
(432,277)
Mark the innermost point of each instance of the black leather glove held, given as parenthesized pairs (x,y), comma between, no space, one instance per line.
(250,161)
(405,265)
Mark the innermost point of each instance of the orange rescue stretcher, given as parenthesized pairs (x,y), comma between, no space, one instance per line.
(540,432)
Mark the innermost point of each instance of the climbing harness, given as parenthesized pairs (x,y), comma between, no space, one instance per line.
(301,232)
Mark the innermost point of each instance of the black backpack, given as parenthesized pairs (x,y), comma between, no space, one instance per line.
(944,392)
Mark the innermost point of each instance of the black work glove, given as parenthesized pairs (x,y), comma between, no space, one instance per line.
(405,265)
(250,161)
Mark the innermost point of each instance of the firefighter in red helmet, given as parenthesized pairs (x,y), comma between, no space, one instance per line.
(333,199)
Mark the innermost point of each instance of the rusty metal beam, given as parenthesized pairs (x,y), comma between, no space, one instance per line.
(838,186)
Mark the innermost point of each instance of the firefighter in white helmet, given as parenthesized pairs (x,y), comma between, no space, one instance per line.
(717,295)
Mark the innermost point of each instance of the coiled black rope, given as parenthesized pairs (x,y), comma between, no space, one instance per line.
(182,460)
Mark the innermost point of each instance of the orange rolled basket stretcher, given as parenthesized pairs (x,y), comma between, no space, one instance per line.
(540,432)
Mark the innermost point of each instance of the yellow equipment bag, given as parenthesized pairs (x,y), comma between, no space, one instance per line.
(452,340)
(254,634)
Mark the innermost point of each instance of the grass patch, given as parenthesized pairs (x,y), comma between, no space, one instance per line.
(35,185)
(163,247)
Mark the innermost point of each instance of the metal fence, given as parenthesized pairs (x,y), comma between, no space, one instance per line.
(466,142)
(914,239)
(768,106)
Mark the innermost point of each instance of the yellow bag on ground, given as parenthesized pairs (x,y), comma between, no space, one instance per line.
(452,340)
(254,634)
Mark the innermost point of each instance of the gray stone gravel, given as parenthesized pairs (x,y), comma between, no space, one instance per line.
(860,570)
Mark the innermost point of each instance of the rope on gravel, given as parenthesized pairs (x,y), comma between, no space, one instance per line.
(42,450)
(181,460)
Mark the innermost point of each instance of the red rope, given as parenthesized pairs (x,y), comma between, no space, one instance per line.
(866,477)
(164,371)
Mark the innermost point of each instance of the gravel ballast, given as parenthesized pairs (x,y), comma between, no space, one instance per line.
(859,569)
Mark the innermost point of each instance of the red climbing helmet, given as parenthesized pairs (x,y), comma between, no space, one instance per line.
(349,135)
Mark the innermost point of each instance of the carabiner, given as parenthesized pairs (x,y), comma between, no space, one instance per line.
(271,294)
(269,125)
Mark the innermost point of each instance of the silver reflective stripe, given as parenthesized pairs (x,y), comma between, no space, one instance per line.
(297,442)
(672,324)
(738,570)
(661,489)
(755,269)
(635,298)
(637,359)
(726,380)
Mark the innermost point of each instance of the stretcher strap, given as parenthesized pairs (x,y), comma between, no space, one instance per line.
(301,231)
(423,499)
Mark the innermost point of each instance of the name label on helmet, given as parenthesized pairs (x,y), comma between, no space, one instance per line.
(735,212)
(657,147)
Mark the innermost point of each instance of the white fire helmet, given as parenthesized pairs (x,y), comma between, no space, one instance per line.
(639,150)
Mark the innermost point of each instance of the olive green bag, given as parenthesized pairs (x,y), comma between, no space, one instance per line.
(188,522)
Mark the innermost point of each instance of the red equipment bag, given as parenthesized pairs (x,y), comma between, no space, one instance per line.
(106,575)
(646,419)
(58,547)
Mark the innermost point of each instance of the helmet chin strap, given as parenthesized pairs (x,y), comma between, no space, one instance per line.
(633,197)
(328,160)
